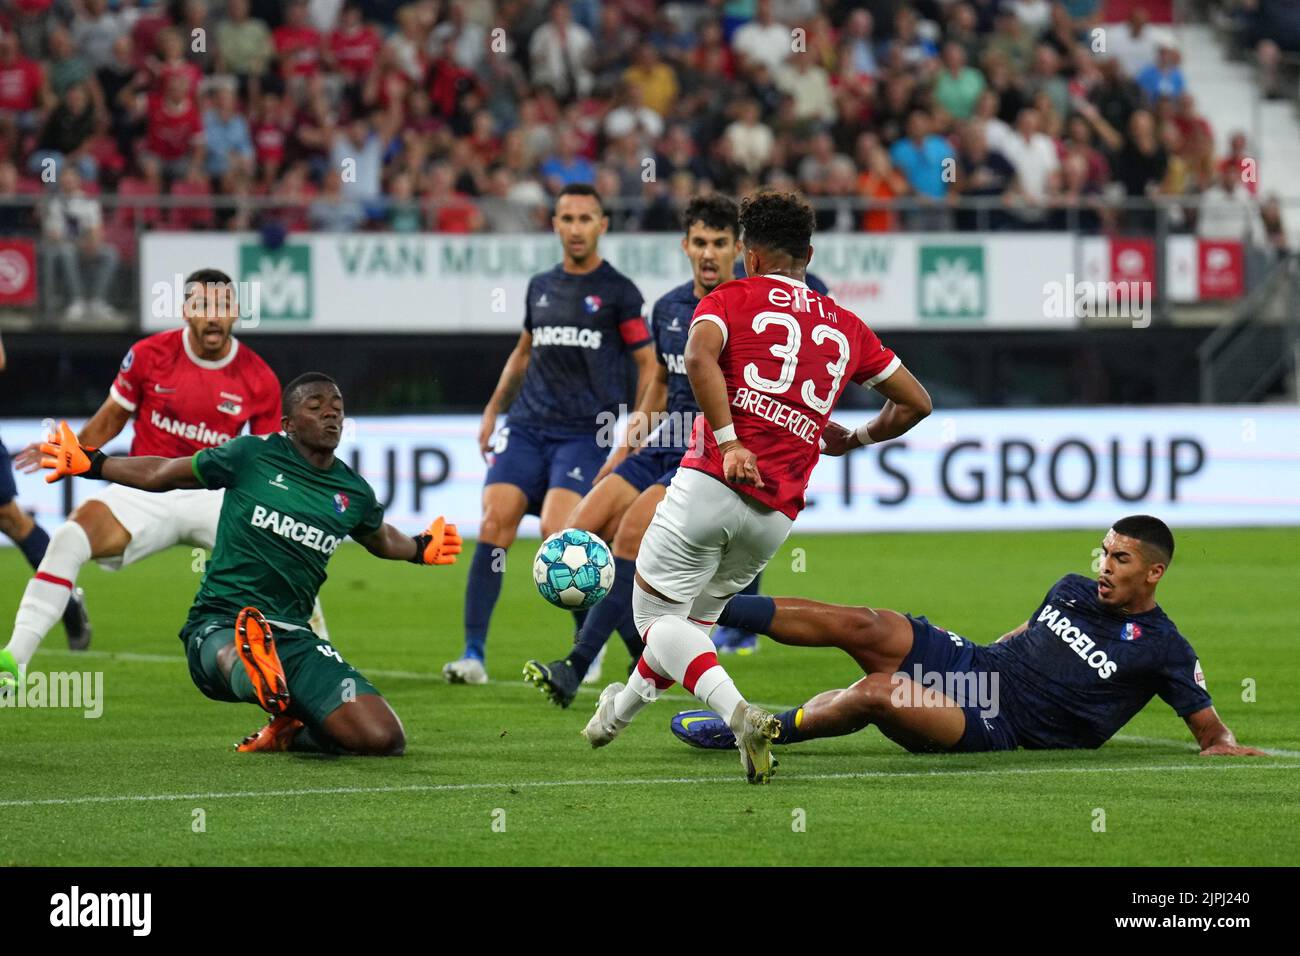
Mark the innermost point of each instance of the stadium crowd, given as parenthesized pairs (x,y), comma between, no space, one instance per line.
(465,115)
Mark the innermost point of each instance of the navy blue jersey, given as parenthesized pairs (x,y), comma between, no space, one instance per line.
(1081,670)
(813,282)
(583,326)
(670,321)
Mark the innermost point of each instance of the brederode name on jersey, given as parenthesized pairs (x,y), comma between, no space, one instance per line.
(776,412)
(570,335)
(1077,641)
(287,526)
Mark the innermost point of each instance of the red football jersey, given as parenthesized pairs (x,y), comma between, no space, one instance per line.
(787,354)
(183,403)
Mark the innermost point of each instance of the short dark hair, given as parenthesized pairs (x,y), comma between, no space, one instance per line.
(780,222)
(580,189)
(207,277)
(713,212)
(1152,532)
(292,393)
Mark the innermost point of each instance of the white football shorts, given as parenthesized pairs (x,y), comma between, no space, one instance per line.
(706,540)
(157,520)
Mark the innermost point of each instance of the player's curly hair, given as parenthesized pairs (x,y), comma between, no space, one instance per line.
(713,212)
(780,222)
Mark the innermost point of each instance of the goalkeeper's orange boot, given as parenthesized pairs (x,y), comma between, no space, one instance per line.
(275,736)
(256,649)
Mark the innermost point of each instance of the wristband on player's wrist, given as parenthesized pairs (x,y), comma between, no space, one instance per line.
(97,459)
(725,434)
(421,542)
(863,436)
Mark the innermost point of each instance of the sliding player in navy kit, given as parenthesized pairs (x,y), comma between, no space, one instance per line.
(567,374)
(1091,655)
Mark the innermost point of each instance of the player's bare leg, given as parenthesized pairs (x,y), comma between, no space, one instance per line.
(878,639)
(504,506)
(557,506)
(602,510)
(914,717)
(91,532)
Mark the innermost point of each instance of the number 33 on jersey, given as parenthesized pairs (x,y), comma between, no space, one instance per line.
(787,353)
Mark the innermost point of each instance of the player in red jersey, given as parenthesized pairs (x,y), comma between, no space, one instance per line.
(767,358)
(187,389)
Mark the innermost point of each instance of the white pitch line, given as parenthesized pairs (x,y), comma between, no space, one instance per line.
(647,782)
(586,689)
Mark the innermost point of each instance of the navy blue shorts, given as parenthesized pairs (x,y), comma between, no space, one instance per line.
(942,655)
(651,465)
(8,490)
(536,461)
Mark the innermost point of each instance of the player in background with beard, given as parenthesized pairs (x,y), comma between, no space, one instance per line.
(188,389)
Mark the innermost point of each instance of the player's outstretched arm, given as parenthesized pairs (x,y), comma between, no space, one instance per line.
(65,457)
(105,425)
(508,385)
(703,346)
(1215,738)
(437,544)
(906,403)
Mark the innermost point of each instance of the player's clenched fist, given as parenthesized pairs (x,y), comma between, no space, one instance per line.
(65,456)
(740,465)
(437,544)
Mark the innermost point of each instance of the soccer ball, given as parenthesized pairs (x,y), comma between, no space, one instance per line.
(573,569)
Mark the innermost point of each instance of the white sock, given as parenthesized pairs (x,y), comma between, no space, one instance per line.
(48,591)
(688,656)
(642,688)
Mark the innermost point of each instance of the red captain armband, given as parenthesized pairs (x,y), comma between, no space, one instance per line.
(634,331)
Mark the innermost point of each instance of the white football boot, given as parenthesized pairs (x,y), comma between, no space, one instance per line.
(467,670)
(603,726)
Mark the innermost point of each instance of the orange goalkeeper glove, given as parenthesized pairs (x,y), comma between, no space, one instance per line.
(437,544)
(67,457)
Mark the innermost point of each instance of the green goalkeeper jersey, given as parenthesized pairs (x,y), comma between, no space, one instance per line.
(281,519)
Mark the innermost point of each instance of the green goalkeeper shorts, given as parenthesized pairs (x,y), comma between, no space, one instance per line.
(318,677)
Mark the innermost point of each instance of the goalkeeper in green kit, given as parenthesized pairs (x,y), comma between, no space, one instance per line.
(289,503)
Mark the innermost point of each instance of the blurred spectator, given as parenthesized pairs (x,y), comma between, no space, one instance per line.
(654,78)
(95,28)
(748,139)
(354,45)
(982,173)
(297,44)
(503,210)
(403,210)
(808,85)
(72,225)
(1045,79)
(449,209)
(65,134)
(958,86)
(859,43)
(1274,230)
(175,133)
(1227,212)
(15,216)
(928,163)
(358,156)
(225,130)
(561,52)
(244,44)
(466,38)
(632,115)
(565,166)
(24,92)
(1133,43)
(763,40)
(66,67)
(1239,160)
(1164,77)
(332,211)
(1012,43)
(172,63)
(1078,200)
(1033,156)
(879,180)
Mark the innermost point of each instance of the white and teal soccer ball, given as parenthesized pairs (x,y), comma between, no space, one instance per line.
(573,569)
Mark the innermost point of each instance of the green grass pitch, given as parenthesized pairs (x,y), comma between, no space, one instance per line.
(496,775)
